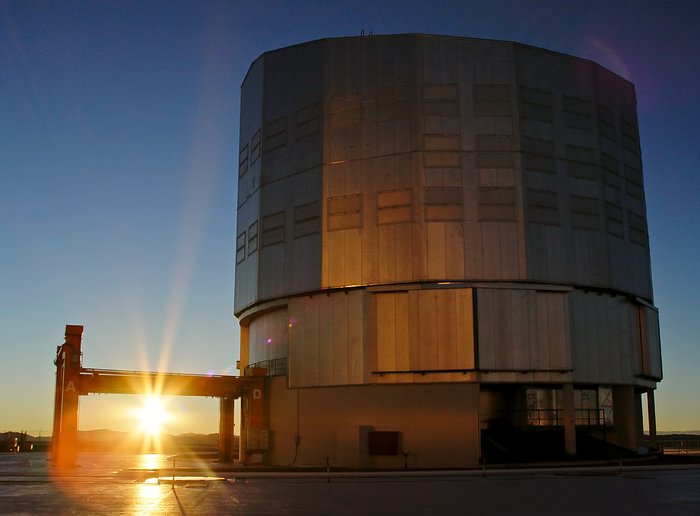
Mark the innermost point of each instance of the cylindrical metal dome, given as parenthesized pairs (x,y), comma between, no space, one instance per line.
(462,219)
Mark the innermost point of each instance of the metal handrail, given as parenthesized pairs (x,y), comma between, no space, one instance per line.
(124,372)
(553,417)
(274,366)
(680,446)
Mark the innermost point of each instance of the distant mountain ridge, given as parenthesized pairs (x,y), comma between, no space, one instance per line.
(103,439)
(111,440)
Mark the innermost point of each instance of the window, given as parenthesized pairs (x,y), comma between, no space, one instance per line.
(273,229)
(240,247)
(345,212)
(252,238)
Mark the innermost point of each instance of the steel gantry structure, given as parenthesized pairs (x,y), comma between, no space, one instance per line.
(73,380)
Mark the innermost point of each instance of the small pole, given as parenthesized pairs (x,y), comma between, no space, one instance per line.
(173,488)
(328,469)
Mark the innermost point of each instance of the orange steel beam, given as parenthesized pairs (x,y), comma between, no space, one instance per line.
(107,381)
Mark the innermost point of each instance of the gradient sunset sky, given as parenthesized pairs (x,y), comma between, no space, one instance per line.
(118,158)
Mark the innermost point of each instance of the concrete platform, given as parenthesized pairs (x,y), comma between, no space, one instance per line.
(29,485)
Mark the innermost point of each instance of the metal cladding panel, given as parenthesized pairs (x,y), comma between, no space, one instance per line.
(252,102)
(523,330)
(586,223)
(423,330)
(369,177)
(247,253)
(268,336)
(605,338)
(402,142)
(279,191)
(249,172)
(327,341)
(291,181)
(290,235)
(293,79)
(650,343)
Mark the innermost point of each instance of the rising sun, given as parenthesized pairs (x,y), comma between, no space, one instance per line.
(152,415)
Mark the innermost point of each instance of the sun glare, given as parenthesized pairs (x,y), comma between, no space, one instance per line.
(153,415)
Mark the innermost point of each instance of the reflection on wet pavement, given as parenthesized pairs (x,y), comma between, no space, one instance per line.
(98,485)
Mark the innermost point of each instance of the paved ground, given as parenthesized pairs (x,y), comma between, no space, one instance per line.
(28,485)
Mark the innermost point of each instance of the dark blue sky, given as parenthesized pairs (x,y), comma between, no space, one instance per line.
(118,145)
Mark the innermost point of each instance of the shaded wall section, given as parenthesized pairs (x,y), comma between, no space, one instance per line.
(437,423)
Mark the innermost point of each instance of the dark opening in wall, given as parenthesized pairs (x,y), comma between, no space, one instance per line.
(384,443)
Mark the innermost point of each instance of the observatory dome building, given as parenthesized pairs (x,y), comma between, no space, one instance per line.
(442,254)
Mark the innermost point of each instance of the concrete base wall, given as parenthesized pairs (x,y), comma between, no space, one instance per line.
(439,424)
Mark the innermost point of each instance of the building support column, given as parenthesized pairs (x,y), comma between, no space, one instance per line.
(651,417)
(255,431)
(569,420)
(226,424)
(627,416)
